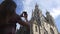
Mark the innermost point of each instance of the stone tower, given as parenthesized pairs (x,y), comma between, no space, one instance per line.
(36,21)
(50,18)
(41,24)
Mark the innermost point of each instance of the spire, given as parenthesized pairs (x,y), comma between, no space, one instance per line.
(47,12)
(36,11)
(36,6)
(49,18)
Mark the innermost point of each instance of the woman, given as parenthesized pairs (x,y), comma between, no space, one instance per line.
(10,18)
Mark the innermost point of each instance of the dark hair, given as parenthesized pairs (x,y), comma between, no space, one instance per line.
(7,6)
(25,13)
(9,3)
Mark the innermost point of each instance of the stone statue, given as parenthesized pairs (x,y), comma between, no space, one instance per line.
(9,18)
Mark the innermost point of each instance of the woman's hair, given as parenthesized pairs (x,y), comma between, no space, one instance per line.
(25,13)
(9,7)
(8,3)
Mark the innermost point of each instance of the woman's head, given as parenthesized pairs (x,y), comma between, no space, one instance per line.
(25,14)
(11,7)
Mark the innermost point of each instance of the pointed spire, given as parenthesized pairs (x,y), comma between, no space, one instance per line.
(47,12)
(36,6)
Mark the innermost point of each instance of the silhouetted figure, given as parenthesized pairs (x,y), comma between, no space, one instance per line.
(9,18)
(23,29)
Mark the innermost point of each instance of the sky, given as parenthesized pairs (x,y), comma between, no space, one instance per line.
(53,6)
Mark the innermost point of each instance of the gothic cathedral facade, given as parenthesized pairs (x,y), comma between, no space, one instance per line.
(41,24)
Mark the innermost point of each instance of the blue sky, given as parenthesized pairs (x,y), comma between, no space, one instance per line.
(53,6)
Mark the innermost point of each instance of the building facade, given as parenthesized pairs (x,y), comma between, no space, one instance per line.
(41,24)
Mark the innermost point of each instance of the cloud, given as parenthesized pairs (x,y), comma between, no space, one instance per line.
(55,12)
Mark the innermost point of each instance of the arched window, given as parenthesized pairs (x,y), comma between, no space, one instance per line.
(51,30)
(36,28)
(45,31)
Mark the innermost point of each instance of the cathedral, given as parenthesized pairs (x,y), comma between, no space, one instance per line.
(40,24)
